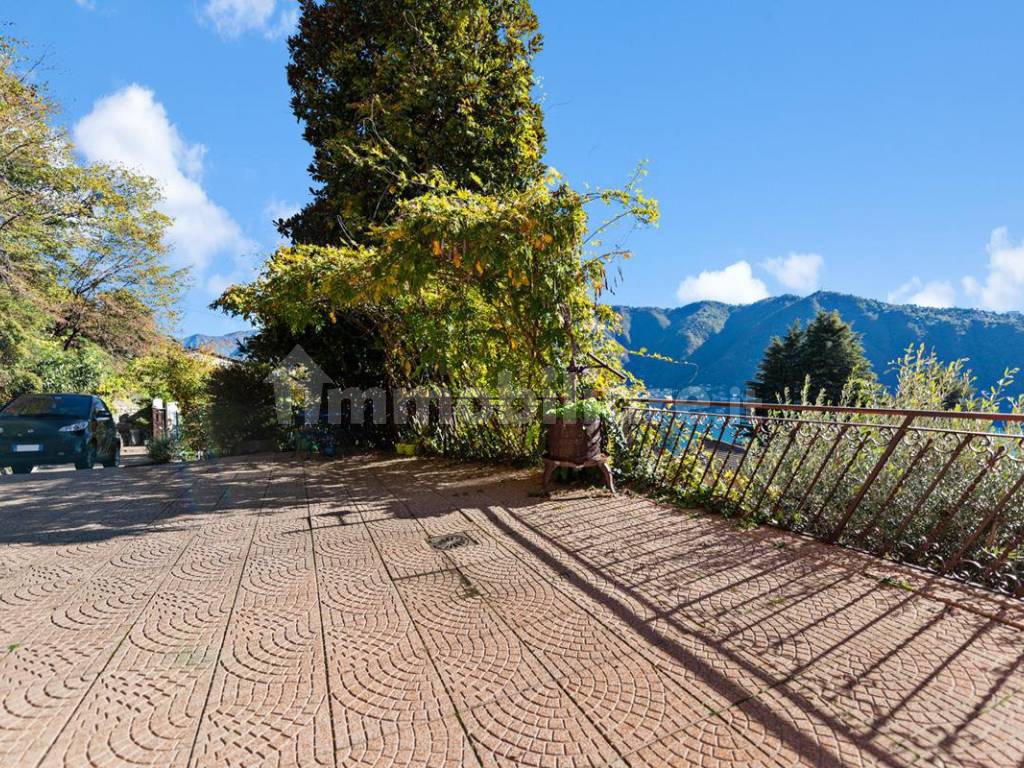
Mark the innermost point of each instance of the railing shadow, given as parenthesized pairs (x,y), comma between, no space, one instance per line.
(810,571)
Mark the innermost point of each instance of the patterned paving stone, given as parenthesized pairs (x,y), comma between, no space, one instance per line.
(268,702)
(478,656)
(273,612)
(387,693)
(541,727)
(145,706)
(628,698)
(428,744)
(709,743)
(792,726)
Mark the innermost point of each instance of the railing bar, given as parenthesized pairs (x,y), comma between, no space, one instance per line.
(855,502)
(686,450)
(908,519)
(632,425)
(721,469)
(757,417)
(943,525)
(1004,556)
(643,440)
(760,461)
(994,418)
(785,452)
(714,453)
(639,422)
(700,443)
(664,443)
(679,436)
(859,540)
(743,460)
(821,469)
(744,405)
(679,429)
(796,472)
(989,521)
(839,481)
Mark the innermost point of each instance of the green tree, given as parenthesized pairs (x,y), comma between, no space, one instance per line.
(823,363)
(780,374)
(168,372)
(436,220)
(113,283)
(389,90)
(834,361)
(476,290)
(71,370)
(81,246)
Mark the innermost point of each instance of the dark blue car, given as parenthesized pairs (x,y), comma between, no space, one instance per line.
(57,429)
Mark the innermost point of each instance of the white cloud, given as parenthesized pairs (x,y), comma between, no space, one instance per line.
(131,128)
(1003,287)
(279,209)
(88,5)
(286,23)
(233,18)
(797,272)
(735,284)
(936,293)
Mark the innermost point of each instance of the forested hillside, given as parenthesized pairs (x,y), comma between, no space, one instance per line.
(722,344)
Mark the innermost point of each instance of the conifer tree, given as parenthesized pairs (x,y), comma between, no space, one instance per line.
(824,361)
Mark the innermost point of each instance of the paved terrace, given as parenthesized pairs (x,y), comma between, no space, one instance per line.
(276,613)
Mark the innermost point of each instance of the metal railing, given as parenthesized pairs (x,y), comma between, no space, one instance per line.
(938,489)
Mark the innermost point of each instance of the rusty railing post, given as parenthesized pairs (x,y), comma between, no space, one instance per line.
(664,443)
(991,519)
(890,449)
(883,507)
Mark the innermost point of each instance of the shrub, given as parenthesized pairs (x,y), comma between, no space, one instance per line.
(163,450)
(943,494)
(240,414)
(72,370)
(587,410)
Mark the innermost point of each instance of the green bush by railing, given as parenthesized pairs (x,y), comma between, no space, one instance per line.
(943,490)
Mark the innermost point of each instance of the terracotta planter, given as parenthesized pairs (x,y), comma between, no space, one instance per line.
(575,442)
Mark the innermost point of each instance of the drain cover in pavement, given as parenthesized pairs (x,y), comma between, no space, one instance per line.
(450,541)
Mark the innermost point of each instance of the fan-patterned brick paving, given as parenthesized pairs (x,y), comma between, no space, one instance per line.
(273,612)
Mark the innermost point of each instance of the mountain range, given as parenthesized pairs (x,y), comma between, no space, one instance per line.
(717,346)
(224,346)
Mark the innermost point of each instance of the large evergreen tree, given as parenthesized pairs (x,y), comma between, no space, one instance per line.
(389,89)
(436,222)
(825,362)
(833,358)
(780,373)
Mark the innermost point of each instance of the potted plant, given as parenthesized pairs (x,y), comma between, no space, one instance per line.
(574,430)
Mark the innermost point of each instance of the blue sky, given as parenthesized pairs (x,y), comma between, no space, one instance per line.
(871,148)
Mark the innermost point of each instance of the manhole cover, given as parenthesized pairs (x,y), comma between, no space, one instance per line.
(450,541)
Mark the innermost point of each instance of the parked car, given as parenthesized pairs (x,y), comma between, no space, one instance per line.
(74,429)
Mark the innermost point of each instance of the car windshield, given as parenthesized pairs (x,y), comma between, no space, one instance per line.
(69,406)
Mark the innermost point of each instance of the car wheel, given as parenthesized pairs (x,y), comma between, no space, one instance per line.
(89,460)
(115,457)
(22,469)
